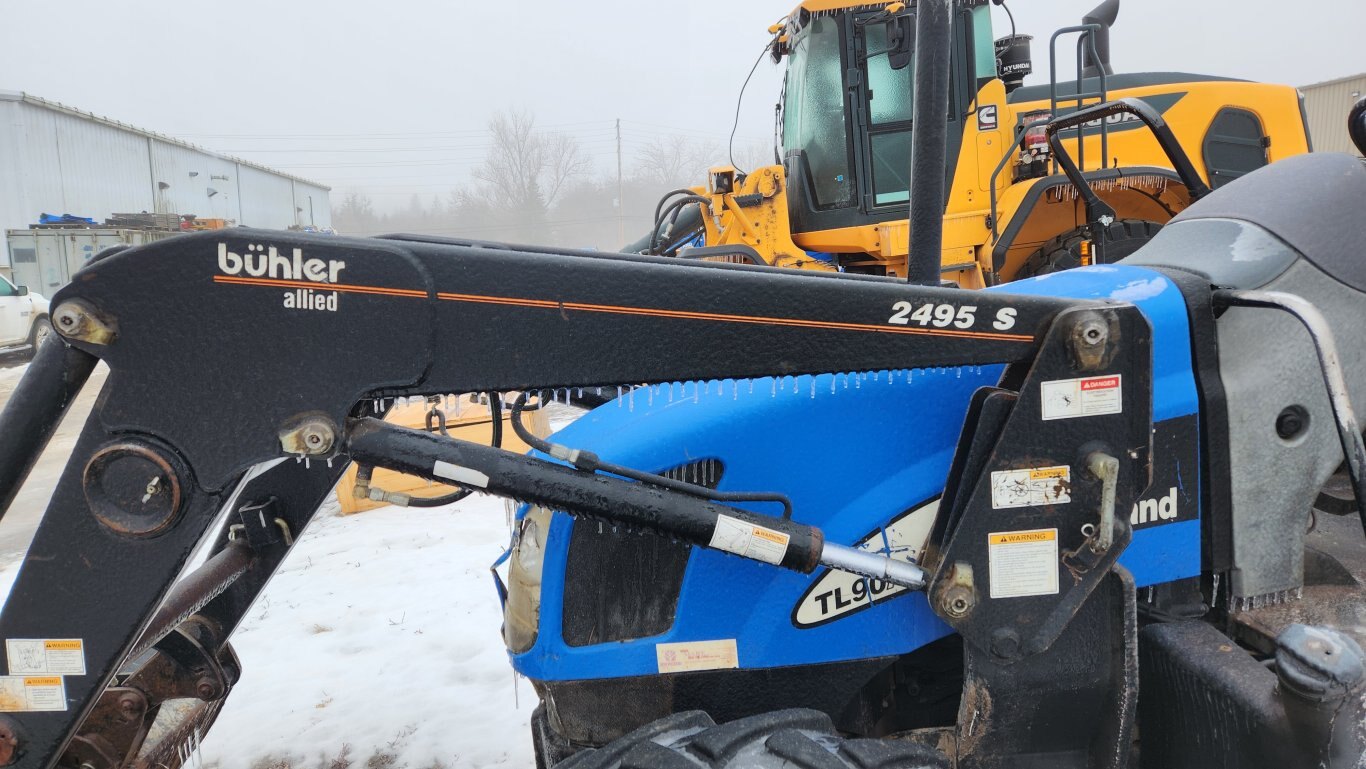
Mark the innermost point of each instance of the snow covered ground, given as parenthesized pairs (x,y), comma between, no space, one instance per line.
(376,645)
(380,635)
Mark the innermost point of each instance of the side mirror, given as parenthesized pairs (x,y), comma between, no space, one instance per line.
(901,39)
(21,290)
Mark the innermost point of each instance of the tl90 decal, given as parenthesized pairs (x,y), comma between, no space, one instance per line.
(946,315)
(836,594)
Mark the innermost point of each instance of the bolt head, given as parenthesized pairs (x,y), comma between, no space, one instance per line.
(69,319)
(316,437)
(1005,643)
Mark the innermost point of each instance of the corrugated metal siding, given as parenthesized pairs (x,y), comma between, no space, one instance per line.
(11,185)
(102,169)
(267,200)
(57,160)
(198,184)
(1326,106)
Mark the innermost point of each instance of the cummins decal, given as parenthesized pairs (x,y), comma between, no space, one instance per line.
(837,594)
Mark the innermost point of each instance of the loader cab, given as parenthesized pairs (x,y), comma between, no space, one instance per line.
(846,108)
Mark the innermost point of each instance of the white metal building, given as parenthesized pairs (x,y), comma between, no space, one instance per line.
(1325,108)
(55,159)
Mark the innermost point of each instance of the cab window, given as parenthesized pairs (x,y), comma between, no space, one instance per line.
(813,111)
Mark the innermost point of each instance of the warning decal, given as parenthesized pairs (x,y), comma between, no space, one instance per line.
(1031,487)
(1023,563)
(45,656)
(1087,397)
(21,694)
(749,540)
(697,655)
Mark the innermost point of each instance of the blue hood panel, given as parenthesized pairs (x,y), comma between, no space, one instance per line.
(853,452)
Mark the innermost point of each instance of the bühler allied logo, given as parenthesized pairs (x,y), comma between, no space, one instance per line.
(265,265)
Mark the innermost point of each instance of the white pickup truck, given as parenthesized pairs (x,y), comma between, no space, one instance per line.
(24,320)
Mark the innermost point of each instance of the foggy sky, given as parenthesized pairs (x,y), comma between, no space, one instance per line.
(392,98)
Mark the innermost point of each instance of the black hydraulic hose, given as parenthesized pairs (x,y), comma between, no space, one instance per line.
(686,226)
(659,207)
(496,440)
(587,460)
(671,214)
(496,410)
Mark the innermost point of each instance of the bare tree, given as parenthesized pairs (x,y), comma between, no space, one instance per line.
(526,169)
(676,161)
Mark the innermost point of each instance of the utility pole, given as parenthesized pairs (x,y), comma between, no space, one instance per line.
(621,202)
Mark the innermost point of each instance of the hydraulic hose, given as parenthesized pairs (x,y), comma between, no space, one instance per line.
(671,214)
(495,439)
(587,460)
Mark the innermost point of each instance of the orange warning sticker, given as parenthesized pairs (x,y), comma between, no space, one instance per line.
(1023,563)
(22,694)
(1014,537)
(50,656)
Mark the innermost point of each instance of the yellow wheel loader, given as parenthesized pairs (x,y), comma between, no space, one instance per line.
(838,200)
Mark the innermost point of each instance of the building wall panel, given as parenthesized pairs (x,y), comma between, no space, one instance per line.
(103,169)
(267,200)
(1326,106)
(192,182)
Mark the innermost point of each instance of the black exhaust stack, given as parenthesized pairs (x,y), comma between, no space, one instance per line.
(929,139)
(1104,15)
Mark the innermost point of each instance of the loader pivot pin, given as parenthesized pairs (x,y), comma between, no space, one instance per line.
(75,319)
(132,489)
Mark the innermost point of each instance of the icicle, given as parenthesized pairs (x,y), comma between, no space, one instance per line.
(813,388)
(631,400)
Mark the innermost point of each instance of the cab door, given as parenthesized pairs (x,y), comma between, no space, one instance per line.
(884,117)
(886,100)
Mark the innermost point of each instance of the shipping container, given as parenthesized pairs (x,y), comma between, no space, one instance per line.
(45,260)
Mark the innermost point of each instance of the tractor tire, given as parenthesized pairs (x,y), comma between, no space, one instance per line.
(1122,238)
(799,739)
(551,748)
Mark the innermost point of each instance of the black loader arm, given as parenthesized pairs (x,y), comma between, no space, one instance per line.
(248,368)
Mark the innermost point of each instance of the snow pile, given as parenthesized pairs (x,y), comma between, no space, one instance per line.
(380,634)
